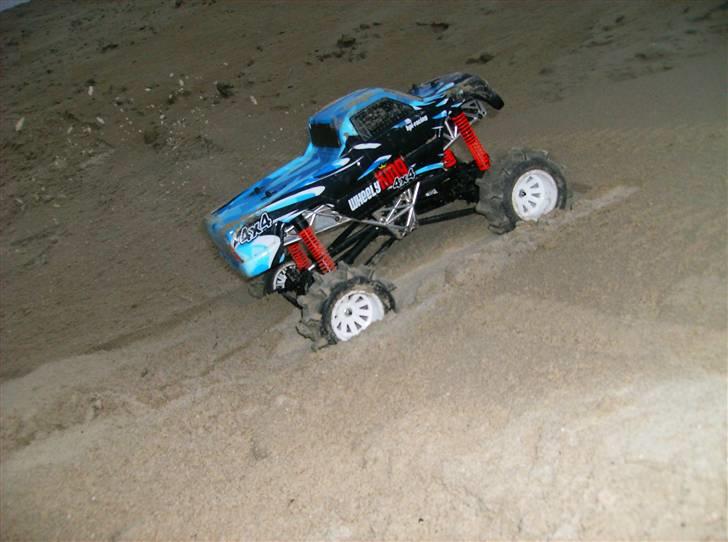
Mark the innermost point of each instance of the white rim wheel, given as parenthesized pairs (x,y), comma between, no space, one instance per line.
(280,276)
(534,194)
(354,312)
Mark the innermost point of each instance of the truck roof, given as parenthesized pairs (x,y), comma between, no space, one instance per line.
(335,113)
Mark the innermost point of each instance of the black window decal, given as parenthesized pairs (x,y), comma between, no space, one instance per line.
(377,118)
(324,135)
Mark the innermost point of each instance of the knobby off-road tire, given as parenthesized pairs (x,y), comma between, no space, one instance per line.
(333,292)
(523,185)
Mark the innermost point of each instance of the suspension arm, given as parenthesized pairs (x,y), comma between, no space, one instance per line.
(432,219)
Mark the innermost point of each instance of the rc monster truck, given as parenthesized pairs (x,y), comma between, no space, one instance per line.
(377,164)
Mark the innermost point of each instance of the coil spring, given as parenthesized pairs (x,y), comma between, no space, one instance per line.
(299,257)
(319,253)
(482,160)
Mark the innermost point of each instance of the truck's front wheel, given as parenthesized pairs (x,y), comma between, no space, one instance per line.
(342,304)
(276,279)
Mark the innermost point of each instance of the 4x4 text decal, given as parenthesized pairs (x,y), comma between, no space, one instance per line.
(246,234)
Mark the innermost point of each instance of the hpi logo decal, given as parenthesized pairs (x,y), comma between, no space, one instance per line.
(410,125)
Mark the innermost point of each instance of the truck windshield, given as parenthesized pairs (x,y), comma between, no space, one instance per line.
(379,117)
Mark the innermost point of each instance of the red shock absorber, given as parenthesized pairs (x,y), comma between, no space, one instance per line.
(448,159)
(299,257)
(324,262)
(482,160)
(323,259)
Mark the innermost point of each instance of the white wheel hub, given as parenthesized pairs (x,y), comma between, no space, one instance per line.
(534,194)
(354,312)
(281,275)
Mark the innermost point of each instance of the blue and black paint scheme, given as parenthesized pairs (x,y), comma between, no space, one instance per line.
(350,139)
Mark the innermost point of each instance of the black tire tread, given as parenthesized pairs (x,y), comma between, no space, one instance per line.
(313,303)
(495,186)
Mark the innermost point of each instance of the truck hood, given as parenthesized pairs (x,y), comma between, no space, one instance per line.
(295,176)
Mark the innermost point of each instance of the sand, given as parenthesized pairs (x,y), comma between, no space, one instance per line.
(564,381)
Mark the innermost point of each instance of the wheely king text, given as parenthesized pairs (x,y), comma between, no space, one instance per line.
(396,174)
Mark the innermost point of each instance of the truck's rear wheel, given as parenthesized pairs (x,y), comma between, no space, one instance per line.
(534,194)
(524,185)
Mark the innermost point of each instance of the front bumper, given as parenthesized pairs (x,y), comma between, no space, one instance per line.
(249,259)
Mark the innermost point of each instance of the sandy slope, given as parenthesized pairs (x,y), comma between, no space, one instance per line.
(566,380)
